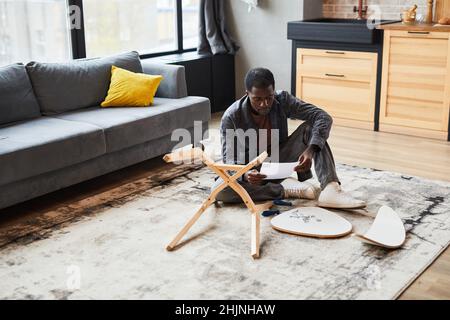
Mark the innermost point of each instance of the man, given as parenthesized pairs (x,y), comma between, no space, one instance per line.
(265,111)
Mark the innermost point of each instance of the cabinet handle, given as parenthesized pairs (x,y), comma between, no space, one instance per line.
(334,52)
(335,75)
(418,32)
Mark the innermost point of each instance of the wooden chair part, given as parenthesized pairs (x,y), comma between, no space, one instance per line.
(228,181)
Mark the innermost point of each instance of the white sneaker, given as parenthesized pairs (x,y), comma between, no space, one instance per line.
(300,190)
(333,197)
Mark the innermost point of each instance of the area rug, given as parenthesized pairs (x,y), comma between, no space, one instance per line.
(117,250)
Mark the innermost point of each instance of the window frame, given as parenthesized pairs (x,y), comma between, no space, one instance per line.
(78,41)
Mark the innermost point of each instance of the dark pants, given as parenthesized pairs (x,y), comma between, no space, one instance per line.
(290,151)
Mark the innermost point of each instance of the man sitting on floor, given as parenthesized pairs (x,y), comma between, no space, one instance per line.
(265,112)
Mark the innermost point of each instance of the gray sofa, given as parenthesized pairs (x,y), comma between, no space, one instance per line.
(53,133)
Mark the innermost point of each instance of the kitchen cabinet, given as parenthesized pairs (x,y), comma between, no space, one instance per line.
(341,82)
(415,94)
(336,65)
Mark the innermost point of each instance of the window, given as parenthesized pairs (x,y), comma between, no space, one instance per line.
(34,30)
(52,30)
(190,23)
(112,26)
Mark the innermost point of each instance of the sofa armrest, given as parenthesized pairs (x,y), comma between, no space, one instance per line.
(174,79)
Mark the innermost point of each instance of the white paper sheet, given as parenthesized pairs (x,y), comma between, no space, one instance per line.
(277,170)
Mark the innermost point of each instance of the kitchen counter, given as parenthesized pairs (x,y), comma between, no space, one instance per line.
(434,27)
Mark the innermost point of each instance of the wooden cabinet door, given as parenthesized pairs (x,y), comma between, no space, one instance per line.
(343,83)
(442,9)
(415,96)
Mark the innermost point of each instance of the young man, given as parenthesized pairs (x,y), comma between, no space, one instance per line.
(266,112)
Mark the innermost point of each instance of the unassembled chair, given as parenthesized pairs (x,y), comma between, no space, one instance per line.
(221,170)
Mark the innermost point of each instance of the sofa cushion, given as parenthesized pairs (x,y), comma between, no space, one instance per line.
(125,127)
(17,100)
(131,89)
(61,87)
(174,84)
(45,144)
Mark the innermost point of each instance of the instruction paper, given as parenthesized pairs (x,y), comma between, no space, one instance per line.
(275,171)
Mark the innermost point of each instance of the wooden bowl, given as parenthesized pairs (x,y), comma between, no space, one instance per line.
(444,21)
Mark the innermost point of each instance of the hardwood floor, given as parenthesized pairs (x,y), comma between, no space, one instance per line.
(410,155)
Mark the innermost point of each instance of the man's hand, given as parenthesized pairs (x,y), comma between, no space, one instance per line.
(305,159)
(254,177)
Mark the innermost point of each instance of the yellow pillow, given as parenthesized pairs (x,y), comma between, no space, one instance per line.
(130,89)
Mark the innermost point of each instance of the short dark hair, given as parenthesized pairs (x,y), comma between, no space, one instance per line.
(260,78)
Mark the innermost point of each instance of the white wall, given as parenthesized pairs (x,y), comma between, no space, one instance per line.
(262,36)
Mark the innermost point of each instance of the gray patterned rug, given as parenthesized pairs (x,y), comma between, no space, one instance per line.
(117,250)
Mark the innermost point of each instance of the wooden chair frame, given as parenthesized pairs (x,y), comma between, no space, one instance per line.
(228,181)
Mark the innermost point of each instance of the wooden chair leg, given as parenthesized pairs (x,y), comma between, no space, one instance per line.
(255,235)
(255,211)
(189,224)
